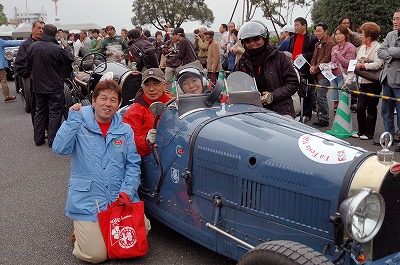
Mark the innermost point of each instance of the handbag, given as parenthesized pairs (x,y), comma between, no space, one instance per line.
(371,75)
(123,228)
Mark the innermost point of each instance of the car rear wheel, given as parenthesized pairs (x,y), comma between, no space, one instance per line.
(283,252)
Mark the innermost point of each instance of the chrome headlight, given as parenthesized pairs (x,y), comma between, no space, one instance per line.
(363,215)
(9,55)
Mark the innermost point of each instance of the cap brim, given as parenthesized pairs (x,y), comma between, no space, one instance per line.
(153,77)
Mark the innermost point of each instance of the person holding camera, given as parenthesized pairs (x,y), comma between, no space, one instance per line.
(170,51)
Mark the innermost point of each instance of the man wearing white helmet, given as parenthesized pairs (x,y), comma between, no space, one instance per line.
(275,77)
(286,33)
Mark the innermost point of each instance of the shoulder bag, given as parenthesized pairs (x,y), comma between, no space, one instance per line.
(371,75)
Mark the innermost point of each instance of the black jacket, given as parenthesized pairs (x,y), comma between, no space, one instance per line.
(20,65)
(308,49)
(281,80)
(144,54)
(186,51)
(46,61)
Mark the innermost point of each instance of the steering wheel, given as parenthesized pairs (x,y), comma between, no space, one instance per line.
(95,64)
(212,98)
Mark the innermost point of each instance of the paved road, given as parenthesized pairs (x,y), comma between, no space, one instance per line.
(33,186)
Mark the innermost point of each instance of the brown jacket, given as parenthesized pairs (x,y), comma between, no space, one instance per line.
(322,54)
(213,62)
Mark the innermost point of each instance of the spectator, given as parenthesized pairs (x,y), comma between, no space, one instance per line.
(186,51)
(275,77)
(20,65)
(341,55)
(115,48)
(147,36)
(85,40)
(170,51)
(231,26)
(77,45)
(302,42)
(213,59)
(286,32)
(321,55)
(142,51)
(203,46)
(124,34)
(46,59)
(167,35)
(237,48)
(389,51)
(95,44)
(103,33)
(355,39)
(367,106)
(4,65)
(159,45)
(223,42)
(139,116)
(114,168)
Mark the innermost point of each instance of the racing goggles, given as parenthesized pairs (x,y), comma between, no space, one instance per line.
(251,39)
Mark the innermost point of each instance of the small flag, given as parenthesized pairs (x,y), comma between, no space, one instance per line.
(173,88)
(328,74)
(300,61)
(221,76)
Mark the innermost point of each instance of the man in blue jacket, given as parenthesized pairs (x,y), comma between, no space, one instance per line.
(4,65)
(104,162)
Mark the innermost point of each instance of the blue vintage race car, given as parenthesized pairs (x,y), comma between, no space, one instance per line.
(264,189)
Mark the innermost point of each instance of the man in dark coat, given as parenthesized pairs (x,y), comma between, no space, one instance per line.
(275,76)
(20,65)
(46,62)
(143,52)
(303,42)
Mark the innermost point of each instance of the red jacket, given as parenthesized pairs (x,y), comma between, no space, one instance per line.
(141,120)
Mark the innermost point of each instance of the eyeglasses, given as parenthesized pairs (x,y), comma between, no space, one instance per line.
(252,39)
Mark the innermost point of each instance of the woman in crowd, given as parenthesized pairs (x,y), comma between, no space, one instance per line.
(235,50)
(341,55)
(367,59)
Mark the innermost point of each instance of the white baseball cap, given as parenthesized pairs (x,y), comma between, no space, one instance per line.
(288,28)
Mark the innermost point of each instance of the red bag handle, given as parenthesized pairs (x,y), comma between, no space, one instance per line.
(123,198)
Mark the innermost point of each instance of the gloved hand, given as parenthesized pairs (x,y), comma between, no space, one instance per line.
(151,136)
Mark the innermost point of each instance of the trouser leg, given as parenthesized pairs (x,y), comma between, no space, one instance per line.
(55,106)
(4,85)
(41,114)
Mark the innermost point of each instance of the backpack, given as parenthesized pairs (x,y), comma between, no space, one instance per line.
(148,56)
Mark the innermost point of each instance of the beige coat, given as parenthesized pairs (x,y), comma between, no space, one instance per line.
(213,57)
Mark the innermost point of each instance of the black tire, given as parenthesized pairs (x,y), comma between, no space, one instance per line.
(285,253)
(69,100)
(26,98)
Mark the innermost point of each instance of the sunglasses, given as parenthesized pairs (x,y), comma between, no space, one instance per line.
(252,39)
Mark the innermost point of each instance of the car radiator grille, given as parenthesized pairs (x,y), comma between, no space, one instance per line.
(387,241)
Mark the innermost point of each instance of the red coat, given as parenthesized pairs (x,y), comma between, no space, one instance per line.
(139,117)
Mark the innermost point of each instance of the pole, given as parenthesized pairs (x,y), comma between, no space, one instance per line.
(234,9)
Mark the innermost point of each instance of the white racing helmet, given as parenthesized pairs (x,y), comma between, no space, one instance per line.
(253,29)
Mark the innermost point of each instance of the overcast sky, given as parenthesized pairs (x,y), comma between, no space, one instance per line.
(115,12)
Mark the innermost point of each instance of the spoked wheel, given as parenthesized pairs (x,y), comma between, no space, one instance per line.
(283,252)
(69,100)
(94,63)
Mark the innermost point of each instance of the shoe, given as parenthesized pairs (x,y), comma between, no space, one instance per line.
(321,123)
(376,142)
(10,98)
(355,135)
(353,107)
(364,137)
(72,238)
(50,145)
(396,138)
(39,143)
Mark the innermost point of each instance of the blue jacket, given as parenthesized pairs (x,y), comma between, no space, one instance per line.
(101,167)
(6,43)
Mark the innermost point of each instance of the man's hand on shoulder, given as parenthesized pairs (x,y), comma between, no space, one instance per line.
(76,107)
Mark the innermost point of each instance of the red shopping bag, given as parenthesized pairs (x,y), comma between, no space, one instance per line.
(123,228)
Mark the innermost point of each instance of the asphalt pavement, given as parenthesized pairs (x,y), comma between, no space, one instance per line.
(33,190)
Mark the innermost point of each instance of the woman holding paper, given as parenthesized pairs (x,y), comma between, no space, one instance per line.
(341,55)
(367,59)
